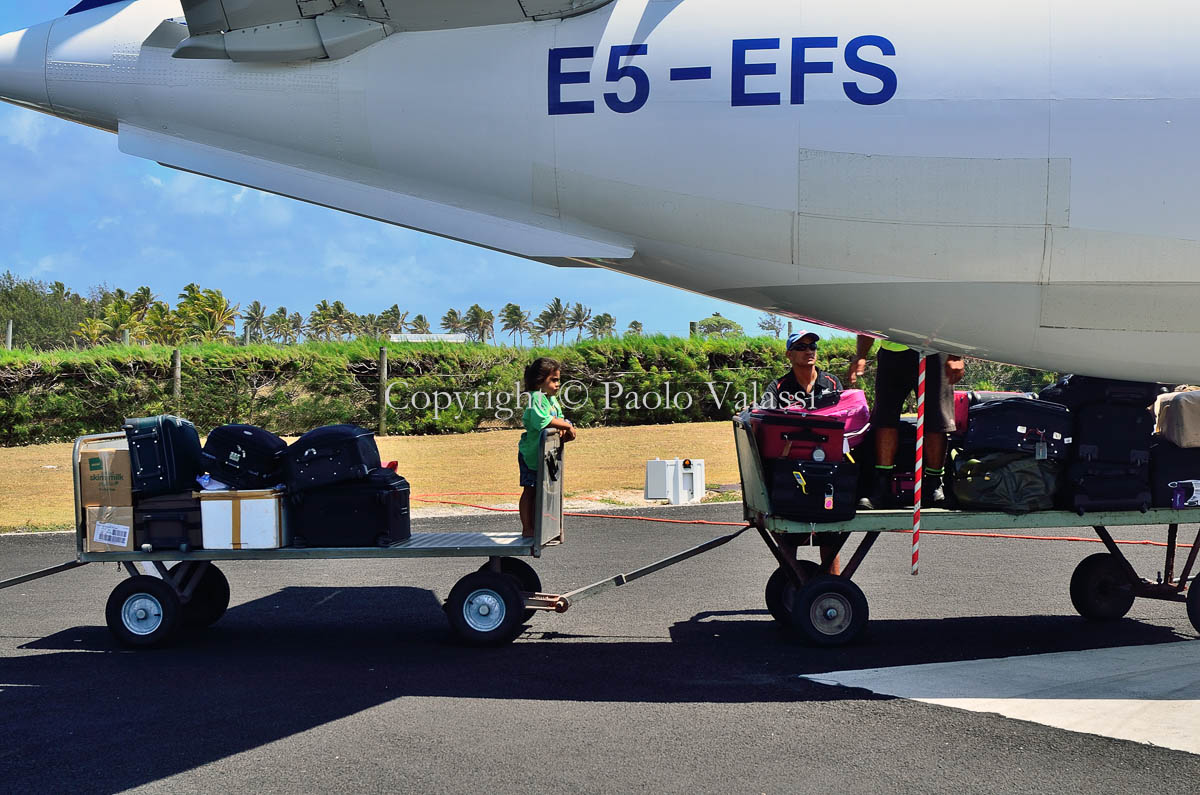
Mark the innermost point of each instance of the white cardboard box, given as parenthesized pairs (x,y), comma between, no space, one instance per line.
(247,519)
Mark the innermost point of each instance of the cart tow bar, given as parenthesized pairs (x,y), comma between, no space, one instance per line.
(561,602)
(37,575)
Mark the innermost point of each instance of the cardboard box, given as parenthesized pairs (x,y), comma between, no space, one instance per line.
(109,529)
(105,477)
(247,519)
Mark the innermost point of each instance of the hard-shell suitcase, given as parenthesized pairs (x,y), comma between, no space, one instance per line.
(328,455)
(1020,425)
(1174,475)
(1113,432)
(1179,419)
(1102,486)
(1012,482)
(785,434)
(168,522)
(1074,391)
(244,457)
(164,454)
(369,512)
(963,400)
(807,491)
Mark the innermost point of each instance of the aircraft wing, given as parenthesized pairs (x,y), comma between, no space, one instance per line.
(298,30)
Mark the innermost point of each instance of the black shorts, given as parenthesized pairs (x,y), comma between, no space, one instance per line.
(896,379)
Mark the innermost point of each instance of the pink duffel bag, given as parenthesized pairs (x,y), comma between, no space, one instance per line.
(851,408)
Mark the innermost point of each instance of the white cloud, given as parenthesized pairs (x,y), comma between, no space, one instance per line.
(27,130)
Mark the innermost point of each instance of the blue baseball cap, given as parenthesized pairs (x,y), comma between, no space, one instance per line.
(801,334)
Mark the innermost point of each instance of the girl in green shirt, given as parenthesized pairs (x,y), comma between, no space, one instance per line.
(542,381)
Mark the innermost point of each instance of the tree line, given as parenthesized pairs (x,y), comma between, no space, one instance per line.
(48,316)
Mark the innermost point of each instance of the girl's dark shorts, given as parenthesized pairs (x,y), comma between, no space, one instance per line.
(528,476)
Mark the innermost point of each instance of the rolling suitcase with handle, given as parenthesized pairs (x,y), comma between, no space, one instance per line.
(1020,425)
(369,512)
(1114,433)
(329,455)
(164,453)
(1102,486)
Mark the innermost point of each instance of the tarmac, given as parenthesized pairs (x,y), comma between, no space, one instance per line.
(976,676)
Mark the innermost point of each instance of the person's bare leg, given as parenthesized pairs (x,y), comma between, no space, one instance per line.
(886,442)
(830,562)
(935,450)
(527,497)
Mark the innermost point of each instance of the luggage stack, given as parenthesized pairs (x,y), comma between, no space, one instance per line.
(1175,452)
(148,492)
(1012,455)
(1109,469)
(805,464)
(339,494)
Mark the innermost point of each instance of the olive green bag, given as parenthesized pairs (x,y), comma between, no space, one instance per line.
(1011,482)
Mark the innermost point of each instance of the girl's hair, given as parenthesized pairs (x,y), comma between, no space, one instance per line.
(539,371)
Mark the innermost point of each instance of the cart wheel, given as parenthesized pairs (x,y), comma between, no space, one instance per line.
(830,611)
(143,612)
(781,594)
(485,608)
(1100,588)
(209,600)
(527,579)
(1193,604)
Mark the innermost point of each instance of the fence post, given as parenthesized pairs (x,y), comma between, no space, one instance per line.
(8,337)
(693,327)
(383,377)
(124,336)
(177,386)
(789,328)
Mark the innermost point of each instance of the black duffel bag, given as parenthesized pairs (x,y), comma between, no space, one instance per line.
(1011,482)
(808,491)
(244,457)
(328,455)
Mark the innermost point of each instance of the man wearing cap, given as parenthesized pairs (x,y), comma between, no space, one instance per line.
(805,381)
(895,378)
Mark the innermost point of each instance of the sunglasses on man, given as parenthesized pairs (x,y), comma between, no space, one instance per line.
(803,346)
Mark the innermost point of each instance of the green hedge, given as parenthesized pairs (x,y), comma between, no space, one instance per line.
(435,388)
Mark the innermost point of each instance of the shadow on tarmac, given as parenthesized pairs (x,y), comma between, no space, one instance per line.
(108,719)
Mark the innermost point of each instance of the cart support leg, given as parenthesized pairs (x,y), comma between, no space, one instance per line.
(860,554)
(1116,552)
(1169,566)
(1191,561)
(786,557)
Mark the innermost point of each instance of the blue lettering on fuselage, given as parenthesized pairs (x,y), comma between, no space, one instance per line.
(751,59)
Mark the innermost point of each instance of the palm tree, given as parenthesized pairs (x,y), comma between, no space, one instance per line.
(635,328)
(602,325)
(321,321)
(91,331)
(213,317)
(480,322)
(453,322)
(276,325)
(254,321)
(553,319)
(141,301)
(163,326)
(393,320)
(343,319)
(514,321)
(578,318)
(296,328)
(118,318)
(420,325)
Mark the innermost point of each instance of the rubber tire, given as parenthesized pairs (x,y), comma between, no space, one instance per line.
(527,579)
(168,601)
(1099,589)
(836,588)
(209,601)
(502,586)
(780,594)
(1193,604)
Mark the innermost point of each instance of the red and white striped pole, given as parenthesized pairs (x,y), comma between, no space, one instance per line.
(919,474)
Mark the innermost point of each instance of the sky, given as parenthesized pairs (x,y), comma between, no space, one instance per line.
(74,209)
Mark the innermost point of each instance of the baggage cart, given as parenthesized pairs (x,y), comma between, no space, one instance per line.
(830,610)
(485,607)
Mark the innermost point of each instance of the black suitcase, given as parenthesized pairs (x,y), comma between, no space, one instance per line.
(164,454)
(1113,432)
(168,522)
(807,491)
(1171,464)
(369,512)
(1020,425)
(1101,486)
(1074,391)
(329,455)
(244,457)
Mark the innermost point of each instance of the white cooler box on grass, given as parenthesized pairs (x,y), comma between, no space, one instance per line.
(247,519)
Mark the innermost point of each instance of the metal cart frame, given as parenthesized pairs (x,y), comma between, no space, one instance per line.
(831,610)
(486,607)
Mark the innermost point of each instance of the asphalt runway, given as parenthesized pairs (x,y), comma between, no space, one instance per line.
(343,676)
